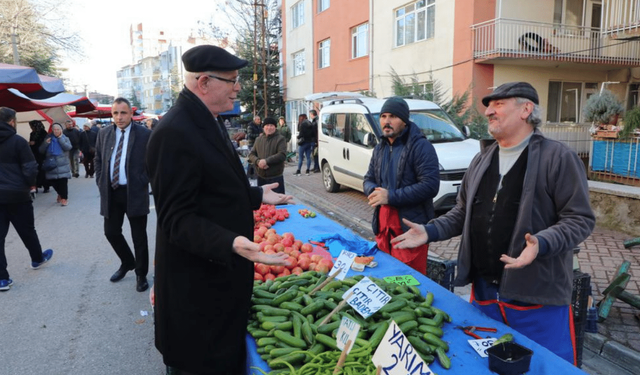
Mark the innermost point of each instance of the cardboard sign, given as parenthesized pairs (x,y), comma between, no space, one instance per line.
(366,297)
(402,280)
(481,346)
(348,331)
(343,263)
(396,356)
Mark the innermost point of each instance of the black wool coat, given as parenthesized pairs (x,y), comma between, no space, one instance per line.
(203,201)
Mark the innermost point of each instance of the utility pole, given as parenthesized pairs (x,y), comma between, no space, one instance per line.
(264,58)
(255,56)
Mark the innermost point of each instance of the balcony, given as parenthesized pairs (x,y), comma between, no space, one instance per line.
(622,19)
(537,43)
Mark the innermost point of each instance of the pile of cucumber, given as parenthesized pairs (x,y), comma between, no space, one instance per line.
(285,322)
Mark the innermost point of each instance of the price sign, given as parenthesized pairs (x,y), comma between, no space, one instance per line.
(366,297)
(481,346)
(348,331)
(343,263)
(402,280)
(396,356)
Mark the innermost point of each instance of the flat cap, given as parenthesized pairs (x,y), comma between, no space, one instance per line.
(211,58)
(512,90)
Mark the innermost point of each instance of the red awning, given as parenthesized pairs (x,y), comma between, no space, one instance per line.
(20,102)
(28,81)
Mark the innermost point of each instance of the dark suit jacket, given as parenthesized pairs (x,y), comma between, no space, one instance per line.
(203,201)
(137,179)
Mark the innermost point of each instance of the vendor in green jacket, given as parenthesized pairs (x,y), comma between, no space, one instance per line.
(268,155)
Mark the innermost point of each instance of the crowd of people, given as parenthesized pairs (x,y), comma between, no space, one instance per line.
(522,207)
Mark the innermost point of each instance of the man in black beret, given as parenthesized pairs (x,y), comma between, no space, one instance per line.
(522,209)
(402,179)
(268,155)
(204,203)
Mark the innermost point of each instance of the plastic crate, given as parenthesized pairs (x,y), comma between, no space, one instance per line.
(441,271)
(579,301)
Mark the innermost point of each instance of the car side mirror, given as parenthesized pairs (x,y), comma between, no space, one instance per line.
(370,139)
(466,131)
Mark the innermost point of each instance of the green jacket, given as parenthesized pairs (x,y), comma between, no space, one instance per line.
(273,148)
(285,131)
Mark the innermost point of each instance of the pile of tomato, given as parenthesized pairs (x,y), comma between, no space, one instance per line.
(268,214)
(300,257)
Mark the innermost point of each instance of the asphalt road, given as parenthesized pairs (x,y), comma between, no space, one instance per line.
(67,317)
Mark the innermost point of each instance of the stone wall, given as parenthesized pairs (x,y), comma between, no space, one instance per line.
(617,207)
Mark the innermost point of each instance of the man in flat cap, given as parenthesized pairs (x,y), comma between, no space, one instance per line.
(522,208)
(204,203)
(402,179)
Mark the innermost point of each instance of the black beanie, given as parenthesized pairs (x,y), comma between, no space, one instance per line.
(269,121)
(398,107)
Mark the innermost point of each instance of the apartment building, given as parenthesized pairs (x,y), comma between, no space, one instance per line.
(567,49)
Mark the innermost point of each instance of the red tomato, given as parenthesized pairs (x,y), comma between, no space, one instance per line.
(262,269)
(293,263)
(312,266)
(304,262)
(278,247)
(316,258)
(277,269)
(287,242)
(269,276)
(257,276)
(285,272)
(297,271)
(297,244)
(306,248)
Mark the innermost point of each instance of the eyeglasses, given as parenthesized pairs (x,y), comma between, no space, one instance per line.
(233,81)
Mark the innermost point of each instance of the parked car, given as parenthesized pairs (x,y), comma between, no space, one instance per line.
(349,129)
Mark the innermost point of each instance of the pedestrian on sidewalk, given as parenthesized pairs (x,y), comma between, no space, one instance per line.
(36,137)
(305,142)
(402,179)
(57,169)
(204,203)
(73,133)
(88,147)
(283,129)
(268,155)
(19,172)
(313,114)
(522,208)
(124,189)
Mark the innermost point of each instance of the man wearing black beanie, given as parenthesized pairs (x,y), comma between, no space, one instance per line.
(402,179)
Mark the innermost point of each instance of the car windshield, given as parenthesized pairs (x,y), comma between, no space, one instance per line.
(435,125)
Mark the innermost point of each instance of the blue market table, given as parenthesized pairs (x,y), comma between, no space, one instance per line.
(464,359)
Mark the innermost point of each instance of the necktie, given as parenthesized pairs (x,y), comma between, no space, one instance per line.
(115,180)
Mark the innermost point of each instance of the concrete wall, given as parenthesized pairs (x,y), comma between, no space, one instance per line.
(299,39)
(617,207)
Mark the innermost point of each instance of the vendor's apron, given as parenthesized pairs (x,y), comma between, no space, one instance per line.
(549,326)
(389,228)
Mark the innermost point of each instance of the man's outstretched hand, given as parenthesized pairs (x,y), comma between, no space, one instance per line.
(414,237)
(251,250)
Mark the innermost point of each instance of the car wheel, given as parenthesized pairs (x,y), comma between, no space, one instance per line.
(330,183)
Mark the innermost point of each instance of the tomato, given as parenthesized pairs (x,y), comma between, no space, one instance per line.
(269,276)
(312,266)
(257,276)
(306,248)
(304,262)
(285,272)
(297,244)
(324,266)
(316,258)
(293,263)
(287,242)
(294,253)
(262,269)
(297,271)
(278,247)
(277,269)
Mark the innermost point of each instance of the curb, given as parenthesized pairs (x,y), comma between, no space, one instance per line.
(615,352)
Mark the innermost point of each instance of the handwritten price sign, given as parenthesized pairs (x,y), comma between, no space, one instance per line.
(366,297)
(481,346)
(348,331)
(396,356)
(343,263)
(402,280)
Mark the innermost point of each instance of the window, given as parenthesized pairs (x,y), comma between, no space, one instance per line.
(297,14)
(333,124)
(569,12)
(358,129)
(324,54)
(633,99)
(415,22)
(298,63)
(360,41)
(323,5)
(564,102)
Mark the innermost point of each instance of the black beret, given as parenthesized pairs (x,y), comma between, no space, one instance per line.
(269,121)
(512,90)
(211,58)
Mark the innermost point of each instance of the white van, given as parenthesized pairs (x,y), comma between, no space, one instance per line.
(349,129)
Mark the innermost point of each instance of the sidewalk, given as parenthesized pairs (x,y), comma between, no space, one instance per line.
(618,337)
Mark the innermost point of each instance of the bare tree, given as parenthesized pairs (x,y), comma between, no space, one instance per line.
(33,34)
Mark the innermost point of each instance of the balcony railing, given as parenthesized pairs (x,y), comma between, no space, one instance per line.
(507,38)
(621,18)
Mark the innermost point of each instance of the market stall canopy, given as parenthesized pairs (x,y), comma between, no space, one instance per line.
(28,81)
(47,115)
(104,111)
(20,102)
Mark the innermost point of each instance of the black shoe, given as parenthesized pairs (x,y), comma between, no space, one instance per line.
(76,175)
(46,190)
(297,173)
(120,273)
(141,283)
(307,172)
(316,171)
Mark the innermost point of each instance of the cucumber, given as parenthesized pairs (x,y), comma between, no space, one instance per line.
(443,359)
(393,306)
(291,358)
(327,341)
(260,293)
(406,327)
(435,340)
(313,308)
(273,311)
(378,334)
(286,296)
(267,341)
(288,305)
(285,326)
(307,333)
(267,318)
(279,352)
(402,316)
(289,339)
(328,327)
(420,345)
(424,328)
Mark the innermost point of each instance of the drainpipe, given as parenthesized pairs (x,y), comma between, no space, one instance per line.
(370,41)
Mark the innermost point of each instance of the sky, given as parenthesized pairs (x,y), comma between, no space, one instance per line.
(105,33)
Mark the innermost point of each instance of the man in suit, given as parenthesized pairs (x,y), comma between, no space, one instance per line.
(124,189)
(204,203)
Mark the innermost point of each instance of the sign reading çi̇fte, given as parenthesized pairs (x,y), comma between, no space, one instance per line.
(366,297)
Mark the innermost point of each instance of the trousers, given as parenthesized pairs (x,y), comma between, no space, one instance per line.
(21,216)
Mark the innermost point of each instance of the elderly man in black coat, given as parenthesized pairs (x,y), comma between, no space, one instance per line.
(124,189)
(204,203)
